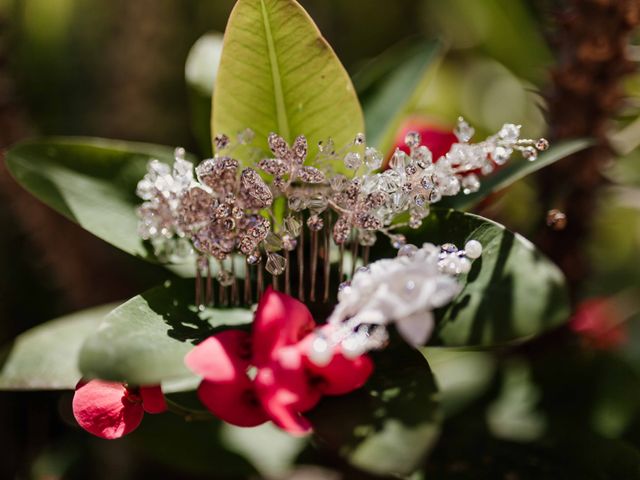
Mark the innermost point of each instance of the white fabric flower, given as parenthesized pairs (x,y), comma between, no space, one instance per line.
(404,291)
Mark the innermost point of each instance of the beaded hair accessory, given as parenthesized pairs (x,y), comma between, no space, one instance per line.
(223,213)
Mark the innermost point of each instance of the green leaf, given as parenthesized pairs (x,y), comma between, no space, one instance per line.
(91,181)
(201,69)
(46,357)
(388,426)
(513,292)
(514,171)
(194,447)
(388,98)
(144,341)
(278,74)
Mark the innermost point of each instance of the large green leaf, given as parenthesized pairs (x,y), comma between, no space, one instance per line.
(514,171)
(387,99)
(387,427)
(278,74)
(513,292)
(91,181)
(46,357)
(144,341)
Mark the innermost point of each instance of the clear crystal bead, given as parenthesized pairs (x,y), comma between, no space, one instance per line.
(398,161)
(449,248)
(276,264)
(463,131)
(296,203)
(470,184)
(530,153)
(509,133)
(408,250)
(289,242)
(317,203)
(254,258)
(339,183)
(398,241)
(273,243)
(293,225)
(501,155)
(412,140)
(352,160)
(373,158)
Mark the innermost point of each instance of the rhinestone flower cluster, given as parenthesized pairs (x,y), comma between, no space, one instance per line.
(221,208)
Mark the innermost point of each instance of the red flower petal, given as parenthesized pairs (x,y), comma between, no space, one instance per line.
(153,399)
(342,375)
(234,402)
(280,321)
(105,409)
(222,357)
(285,390)
(599,321)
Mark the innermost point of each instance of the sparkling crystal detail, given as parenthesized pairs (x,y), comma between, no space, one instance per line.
(470,184)
(542,144)
(530,153)
(352,160)
(373,158)
(413,139)
(314,222)
(276,264)
(509,133)
(464,131)
(293,226)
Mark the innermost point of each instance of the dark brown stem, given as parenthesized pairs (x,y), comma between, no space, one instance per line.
(591,44)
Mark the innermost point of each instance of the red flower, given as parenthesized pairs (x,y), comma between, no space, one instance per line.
(111,410)
(599,322)
(286,382)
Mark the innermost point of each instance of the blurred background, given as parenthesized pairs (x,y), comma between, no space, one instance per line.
(562,69)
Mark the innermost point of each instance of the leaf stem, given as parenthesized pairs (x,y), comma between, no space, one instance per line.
(188,414)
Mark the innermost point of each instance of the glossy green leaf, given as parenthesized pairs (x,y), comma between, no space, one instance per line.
(91,181)
(388,426)
(46,357)
(144,340)
(513,291)
(516,170)
(278,74)
(388,98)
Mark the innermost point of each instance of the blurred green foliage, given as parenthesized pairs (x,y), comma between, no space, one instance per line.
(548,409)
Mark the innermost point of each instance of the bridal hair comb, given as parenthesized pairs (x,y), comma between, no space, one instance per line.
(308,224)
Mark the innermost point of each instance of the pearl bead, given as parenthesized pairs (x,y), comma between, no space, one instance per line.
(473,249)
(321,352)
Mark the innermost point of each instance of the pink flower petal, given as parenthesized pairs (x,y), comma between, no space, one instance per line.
(222,357)
(234,402)
(153,400)
(280,321)
(342,375)
(106,409)
(285,390)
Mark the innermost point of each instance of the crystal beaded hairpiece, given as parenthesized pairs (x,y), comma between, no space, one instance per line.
(226,212)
